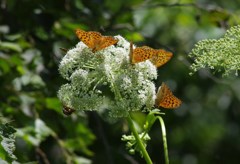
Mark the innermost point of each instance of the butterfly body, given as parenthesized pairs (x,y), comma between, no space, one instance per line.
(95,40)
(166,99)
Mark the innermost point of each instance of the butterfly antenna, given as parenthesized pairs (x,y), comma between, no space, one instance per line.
(63,49)
(131,51)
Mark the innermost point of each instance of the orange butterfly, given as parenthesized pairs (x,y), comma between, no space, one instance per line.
(141,54)
(161,58)
(67,110)
(157,57)
(166,99)
(95,40)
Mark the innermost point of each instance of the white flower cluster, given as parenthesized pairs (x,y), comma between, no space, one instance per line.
(106,79)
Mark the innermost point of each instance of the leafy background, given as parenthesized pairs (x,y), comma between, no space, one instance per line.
(205,129)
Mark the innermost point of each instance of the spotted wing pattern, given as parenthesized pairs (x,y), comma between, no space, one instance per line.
(161,58)
(141,54)
(166,99)
(103,42)
(95,40)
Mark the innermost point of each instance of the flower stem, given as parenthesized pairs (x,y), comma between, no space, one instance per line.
(139,142)
(164,136)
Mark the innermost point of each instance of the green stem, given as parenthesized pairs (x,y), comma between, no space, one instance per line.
(139,142)
(115,90)
(164,136)
(89,66)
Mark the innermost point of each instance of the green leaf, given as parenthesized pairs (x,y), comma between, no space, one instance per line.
(114,6)
(80,139)
(10,46)
(41,33)
(7,138)
(78,144)
(37,81)
(4,66)
(13,37)
(28,79)
(139,119)
(151,118)
(16,60)
(135,37)
(53,103)
(35,134)
(81,160)
(42,130)
(27,134)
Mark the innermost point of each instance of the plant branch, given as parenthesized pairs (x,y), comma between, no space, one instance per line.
(43,155)
(139,141)
(164,136)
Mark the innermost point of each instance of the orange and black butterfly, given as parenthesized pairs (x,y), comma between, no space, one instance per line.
(67,110)
(161,58)
(140,54)
(157,57)
(166,99)
(95,40)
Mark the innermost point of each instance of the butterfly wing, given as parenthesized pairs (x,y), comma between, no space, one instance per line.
(141,54)
(103,42)
(89,38)
(94,38)
(166,99)
(161,58)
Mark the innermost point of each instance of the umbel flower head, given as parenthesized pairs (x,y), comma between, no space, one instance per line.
(106,79)
(221,55)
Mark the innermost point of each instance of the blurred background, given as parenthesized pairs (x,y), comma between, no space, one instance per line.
(205,129)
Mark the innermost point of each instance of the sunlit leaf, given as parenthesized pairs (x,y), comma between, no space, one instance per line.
(135,37)
(42,130)
(10,46)
(139,118)
(53,103)
(28,79)
(13,37)
(36,133)
(7,138)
